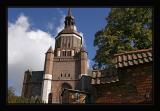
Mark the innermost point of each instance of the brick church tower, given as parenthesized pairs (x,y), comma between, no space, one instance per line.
(65,65)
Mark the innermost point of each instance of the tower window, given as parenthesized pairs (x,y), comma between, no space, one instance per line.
(68,44)
(68,75)
(63,53)
(65,75)
(61,74)
(68,53)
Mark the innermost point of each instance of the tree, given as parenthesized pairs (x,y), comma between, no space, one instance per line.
(127,29)
(11,95)
(12,98)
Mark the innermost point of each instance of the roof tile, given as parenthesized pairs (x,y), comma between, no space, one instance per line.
(144,54)
(119,58)
(93,81)
(140,60)
(124,58)
(139,55)
(129,57)
(98,81)
(94,74)
(149,54)
(133,58)
(130,62)
(150,58)
(146,60)
(99,74)
(120,64)
(125,63)
(135,62)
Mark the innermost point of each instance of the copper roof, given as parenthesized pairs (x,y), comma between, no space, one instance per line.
(69,31)
(133,58)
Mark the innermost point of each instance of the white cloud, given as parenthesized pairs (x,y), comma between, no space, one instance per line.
(50,26)
(61,26)
(88,63)
(26,49)
(75,28)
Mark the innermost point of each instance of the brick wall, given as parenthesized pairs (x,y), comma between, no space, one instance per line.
(107,99)
(117,92)
(144,83)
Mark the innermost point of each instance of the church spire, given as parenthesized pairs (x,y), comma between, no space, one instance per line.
(69,12)
(69,20)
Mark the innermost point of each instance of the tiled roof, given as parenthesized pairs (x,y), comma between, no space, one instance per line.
(121,60)
(99,78)
(133,58)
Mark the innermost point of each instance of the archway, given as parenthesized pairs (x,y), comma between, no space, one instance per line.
(50,98)
(66,85)
(65,95)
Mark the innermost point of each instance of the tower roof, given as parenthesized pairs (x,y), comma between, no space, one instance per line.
(69,20)
(50,50)
(69,25)
(69,12)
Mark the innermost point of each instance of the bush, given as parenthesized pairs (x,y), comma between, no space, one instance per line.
(12,98)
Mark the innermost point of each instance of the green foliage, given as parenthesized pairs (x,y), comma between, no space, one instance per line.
(127,29)
(12,98)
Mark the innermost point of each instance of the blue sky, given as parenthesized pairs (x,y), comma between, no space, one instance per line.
(46,21)
(88,21)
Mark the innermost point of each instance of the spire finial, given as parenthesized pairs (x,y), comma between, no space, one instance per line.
(69,12)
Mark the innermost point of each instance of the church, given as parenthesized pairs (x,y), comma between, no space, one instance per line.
(63,68)
(65,77)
